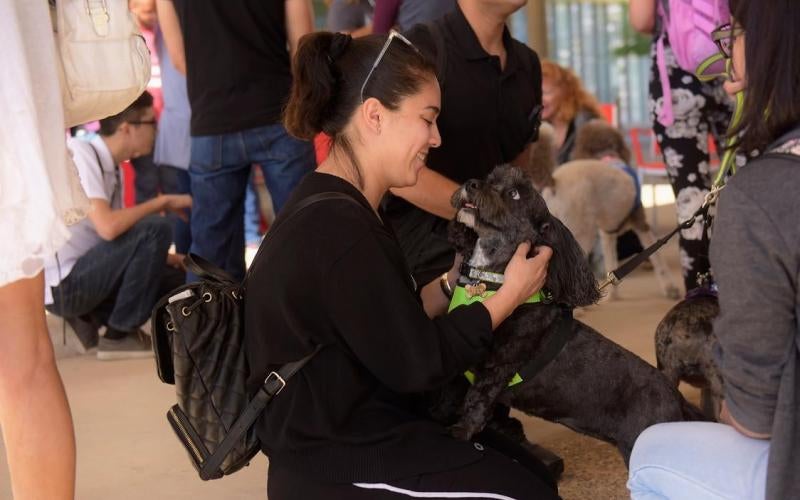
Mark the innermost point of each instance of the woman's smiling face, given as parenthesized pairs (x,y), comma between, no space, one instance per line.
(410,132)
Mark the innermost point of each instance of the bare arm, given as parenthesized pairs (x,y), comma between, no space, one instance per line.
(110,223)
(171,29)
(431,193)
(299,22)
(642,15)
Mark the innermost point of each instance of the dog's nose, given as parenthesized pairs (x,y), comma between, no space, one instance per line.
(473,185)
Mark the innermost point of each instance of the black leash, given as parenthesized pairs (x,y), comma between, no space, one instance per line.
(617,275)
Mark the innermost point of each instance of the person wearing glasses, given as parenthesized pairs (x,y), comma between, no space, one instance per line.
(753,452)
(700,110)
(115,266)
(351,424)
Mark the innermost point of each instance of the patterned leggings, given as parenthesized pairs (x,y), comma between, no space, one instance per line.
(700,109)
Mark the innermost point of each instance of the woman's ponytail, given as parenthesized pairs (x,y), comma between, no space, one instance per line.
(316,81)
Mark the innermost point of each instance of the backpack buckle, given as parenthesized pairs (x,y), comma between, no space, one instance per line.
(269,384)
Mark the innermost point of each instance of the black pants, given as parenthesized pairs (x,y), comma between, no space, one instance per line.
(700,109)
(495,475)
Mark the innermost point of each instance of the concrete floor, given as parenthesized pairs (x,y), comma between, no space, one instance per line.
(126,449)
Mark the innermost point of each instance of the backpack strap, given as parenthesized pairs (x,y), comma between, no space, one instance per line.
(300,206)
(276,380)
(273,384)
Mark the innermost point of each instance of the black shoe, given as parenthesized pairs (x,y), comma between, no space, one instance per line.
(553,462)
(86,330)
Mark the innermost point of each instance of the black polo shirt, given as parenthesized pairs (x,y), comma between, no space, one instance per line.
(237,65)
(486,110)
(488,118)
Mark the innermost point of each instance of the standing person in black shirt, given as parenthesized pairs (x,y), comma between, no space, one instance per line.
(238,79)
(348,425)
(491,97)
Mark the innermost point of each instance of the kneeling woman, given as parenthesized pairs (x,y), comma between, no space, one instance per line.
(347,425)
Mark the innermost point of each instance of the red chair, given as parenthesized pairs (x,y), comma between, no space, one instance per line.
(610,113)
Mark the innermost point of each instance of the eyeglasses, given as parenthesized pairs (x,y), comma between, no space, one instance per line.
(392,35)
(724,36)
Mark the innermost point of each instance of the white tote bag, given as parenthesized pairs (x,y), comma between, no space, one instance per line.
(105,64)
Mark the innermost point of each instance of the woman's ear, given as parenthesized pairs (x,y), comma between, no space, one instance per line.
(372,115)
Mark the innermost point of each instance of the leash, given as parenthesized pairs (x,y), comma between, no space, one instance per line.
(727,166)
(617,275)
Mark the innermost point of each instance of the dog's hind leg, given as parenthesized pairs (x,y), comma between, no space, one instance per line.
(647,237)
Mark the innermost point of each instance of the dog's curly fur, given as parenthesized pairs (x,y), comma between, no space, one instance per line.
(592,197)
(593,385)
(684,340)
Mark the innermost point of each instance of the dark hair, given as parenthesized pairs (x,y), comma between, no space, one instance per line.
(597,138)
(328,71)
(772,67)
(132,113)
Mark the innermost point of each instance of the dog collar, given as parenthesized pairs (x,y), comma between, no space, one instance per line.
(474,273)
(477,292)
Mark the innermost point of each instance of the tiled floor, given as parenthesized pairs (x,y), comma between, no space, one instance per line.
(126,449)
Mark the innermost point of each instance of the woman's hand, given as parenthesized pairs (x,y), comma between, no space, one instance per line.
(526,276)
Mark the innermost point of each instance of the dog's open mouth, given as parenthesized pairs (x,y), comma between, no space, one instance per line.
(467,214)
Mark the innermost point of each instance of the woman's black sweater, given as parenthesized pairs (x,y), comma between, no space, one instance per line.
(336,276)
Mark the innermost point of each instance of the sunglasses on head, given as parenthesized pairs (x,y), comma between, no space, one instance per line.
(392,35)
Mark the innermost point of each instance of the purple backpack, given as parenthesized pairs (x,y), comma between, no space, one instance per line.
(688,25)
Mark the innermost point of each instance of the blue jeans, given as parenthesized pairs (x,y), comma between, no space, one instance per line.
(175,180)
(252,214)
(698,461)
(119,281)
(219,172)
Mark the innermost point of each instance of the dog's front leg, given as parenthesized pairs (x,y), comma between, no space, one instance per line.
(479,402)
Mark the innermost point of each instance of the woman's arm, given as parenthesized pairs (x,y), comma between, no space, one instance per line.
(171,29)
(757,324)
(432,193)
(299,22)
(642,15)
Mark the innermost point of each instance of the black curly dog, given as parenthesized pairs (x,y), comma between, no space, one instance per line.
(684,343)
(592,385)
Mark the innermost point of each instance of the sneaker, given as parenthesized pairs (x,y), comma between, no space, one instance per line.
(86,331)
(135,345)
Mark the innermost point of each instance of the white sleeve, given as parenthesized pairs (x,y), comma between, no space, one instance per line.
(89,170)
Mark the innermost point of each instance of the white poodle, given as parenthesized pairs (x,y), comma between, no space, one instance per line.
(592,196)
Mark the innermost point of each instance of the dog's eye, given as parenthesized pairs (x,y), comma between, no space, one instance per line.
(513,194)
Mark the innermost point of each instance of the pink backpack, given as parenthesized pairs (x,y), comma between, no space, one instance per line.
(688,24)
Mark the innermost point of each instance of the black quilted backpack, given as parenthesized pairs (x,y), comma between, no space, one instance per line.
(198,339)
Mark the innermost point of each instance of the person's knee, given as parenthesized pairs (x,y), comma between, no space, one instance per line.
(24,356)
(155,229)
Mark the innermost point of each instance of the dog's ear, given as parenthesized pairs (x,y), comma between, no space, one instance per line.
(569,278)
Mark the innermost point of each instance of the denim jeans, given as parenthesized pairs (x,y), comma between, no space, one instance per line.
(175,180)
(698,461)
(119,281)
(219,172)
(252,214)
